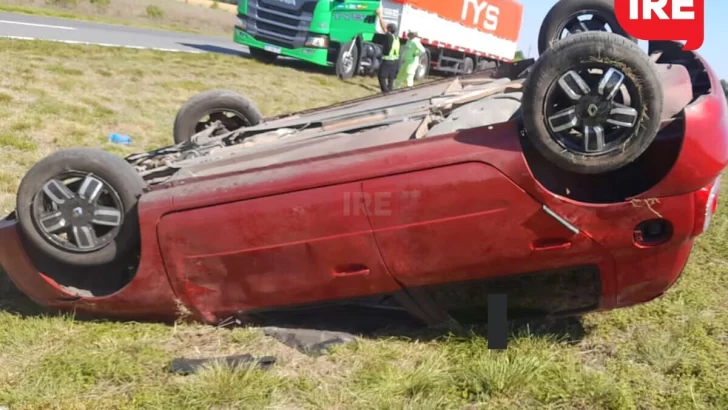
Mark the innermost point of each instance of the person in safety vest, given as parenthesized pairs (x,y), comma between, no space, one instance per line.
(390,55)
(411,53)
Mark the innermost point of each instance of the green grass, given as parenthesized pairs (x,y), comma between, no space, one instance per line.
(671,353)
(57,95)
(155,14)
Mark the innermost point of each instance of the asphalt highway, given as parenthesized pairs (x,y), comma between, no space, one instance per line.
(28,27)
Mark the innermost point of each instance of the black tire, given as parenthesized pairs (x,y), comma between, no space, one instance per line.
(345,68)
(210,102)
(424,68)
(111,169)
(468,66)
(565,11)
(581,50)
(264,56)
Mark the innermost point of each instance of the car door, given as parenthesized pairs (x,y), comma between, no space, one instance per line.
(283,250)
(465,222)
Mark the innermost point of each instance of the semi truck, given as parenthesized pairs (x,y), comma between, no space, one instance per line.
(460,36)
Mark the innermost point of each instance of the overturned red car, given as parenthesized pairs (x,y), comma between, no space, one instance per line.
(574,183)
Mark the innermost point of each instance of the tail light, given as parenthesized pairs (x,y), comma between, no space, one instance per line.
(706,203)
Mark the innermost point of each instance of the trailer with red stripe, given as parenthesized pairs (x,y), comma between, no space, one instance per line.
(461,36)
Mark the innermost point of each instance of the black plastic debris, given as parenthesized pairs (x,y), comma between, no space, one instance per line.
(309,341)
(183,365)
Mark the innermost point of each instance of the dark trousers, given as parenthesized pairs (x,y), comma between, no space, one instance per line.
(387,73)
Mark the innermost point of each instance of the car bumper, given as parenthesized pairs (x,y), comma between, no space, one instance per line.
(317,56)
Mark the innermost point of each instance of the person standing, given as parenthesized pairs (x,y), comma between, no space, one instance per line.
(390,55)
(411,53)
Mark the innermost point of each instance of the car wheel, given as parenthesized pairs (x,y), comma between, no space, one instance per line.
(347,59)
(568,17)
(231,109)
(263,56)
(592,103)
(79,207)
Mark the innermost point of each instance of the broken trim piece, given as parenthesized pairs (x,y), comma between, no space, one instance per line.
(561,220)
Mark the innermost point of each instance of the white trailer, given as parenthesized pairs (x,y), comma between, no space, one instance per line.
(461,36)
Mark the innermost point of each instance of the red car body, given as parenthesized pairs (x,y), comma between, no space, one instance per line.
(436,221)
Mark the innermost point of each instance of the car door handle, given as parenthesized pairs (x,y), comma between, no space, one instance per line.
(354,269)
(550,244)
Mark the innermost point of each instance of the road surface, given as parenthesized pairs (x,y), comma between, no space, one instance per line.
(27,27)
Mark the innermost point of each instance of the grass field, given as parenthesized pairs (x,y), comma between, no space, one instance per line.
(671,353)
(187,16)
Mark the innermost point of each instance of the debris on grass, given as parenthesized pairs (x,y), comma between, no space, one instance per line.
(309,341)
(186,366)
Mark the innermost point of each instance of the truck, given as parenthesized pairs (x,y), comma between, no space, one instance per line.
(460,36)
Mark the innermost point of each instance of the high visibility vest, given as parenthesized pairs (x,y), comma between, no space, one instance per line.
(411,51)
(394,51)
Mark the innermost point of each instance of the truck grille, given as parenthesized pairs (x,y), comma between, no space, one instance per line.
(275,22)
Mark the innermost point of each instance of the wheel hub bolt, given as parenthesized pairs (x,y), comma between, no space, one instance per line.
(592,110)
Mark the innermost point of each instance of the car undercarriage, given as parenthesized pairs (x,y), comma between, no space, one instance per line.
(428,110)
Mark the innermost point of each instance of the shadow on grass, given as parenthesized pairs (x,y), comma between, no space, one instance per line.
(376,322)
(15,302)
(298,65)
(12,300)
(209,48)
(281,61)
(365,321)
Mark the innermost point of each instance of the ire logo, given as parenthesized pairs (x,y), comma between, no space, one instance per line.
(663,20)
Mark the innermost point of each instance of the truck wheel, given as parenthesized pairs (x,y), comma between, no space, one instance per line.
(468,66)
(592,103)
(424,68)
(564,16)
(78,207)
(484,65)
(346,61)
(263,56)
(230,108)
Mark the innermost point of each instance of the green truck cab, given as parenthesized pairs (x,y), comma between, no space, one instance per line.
(339,33)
